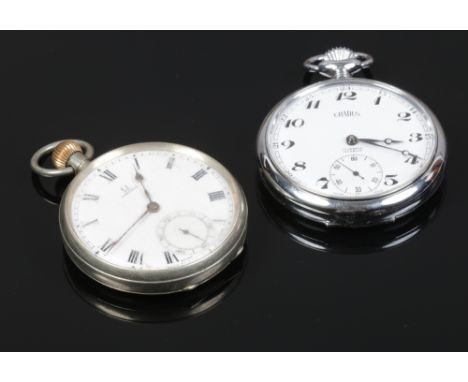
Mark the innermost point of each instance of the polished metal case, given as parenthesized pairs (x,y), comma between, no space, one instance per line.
(351,212)
(154,281)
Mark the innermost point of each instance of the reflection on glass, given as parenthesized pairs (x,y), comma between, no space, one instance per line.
(344,240)
(165,308)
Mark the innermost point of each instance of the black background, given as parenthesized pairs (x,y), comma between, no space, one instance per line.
(211,90)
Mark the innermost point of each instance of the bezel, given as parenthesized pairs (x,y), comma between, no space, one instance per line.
(163,281)
(344,211)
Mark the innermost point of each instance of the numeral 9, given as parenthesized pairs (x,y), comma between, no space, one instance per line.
(287,144)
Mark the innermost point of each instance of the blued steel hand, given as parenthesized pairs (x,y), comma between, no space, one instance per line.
(151,207)
(355,173)
(187,232)
(140,179)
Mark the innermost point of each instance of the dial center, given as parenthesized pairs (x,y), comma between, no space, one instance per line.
(351,140)
(153,207)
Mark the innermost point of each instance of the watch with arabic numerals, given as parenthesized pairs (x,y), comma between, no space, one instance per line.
(350,151)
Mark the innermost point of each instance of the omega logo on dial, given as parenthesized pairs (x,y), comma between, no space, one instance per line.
(148,218)
(119,206)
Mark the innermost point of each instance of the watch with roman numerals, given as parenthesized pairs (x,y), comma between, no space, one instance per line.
(148,218)
(350,151)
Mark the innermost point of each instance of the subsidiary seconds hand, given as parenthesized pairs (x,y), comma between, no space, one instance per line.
(355,173)
(187,232)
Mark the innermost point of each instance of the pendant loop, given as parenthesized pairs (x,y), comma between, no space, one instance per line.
(338,63)
(48,149)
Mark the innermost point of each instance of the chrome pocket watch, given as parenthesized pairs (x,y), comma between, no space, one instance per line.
(148,218)
(350,151)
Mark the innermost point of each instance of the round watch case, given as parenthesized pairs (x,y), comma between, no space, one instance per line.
(351,212)
(164,281)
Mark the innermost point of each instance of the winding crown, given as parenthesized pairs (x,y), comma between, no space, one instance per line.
(63,152)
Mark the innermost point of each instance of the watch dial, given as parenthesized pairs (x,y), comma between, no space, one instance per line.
(153,210)
(351,140)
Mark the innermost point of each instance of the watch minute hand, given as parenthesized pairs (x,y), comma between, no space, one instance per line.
(129,228)
(404,152)
(387,141)
(151,208)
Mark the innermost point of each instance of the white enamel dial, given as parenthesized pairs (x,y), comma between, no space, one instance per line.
(351,140)
(153,210)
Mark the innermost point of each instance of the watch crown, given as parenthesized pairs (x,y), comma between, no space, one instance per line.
(339,54)
(63,152)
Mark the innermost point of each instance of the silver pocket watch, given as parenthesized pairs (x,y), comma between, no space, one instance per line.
(350,151)
(148,218)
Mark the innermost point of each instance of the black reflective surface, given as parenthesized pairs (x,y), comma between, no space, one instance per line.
(400,288)
(165,308)
(344,240)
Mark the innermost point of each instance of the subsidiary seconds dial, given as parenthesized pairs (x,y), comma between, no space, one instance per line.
(354,174)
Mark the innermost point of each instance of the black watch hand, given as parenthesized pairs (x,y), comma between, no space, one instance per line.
(140,179)
(404,152)
(355,173)
(387,141)
(187,232)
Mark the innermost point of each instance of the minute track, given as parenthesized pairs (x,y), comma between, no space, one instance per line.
(124,223)
(135,219)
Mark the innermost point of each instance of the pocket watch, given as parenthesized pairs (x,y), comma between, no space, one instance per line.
(350,151)
(148,218)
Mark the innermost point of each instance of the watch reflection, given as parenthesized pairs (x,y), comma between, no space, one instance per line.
(162,308)
(50,189)
(345,240)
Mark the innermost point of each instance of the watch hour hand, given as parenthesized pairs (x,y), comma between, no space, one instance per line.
(404,152)
(140,179)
